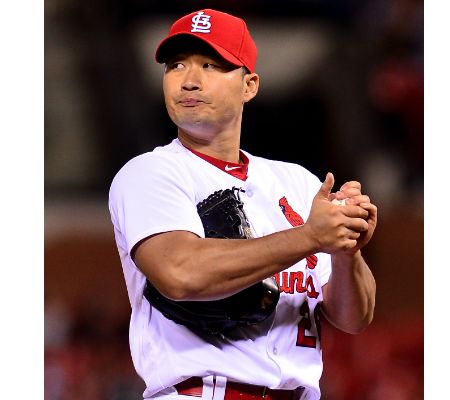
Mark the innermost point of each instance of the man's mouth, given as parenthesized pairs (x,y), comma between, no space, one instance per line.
(190,102)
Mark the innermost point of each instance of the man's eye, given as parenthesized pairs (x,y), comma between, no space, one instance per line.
(209,66)
(175,65)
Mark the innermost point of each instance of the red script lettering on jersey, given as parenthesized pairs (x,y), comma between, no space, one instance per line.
(295,282)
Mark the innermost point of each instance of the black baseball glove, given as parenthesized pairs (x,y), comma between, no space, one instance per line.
(223,217)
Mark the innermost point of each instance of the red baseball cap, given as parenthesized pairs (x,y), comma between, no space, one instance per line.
(226,34)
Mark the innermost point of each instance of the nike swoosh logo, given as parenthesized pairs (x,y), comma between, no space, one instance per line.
(228,168)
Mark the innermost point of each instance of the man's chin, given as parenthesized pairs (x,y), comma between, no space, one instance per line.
(198,130)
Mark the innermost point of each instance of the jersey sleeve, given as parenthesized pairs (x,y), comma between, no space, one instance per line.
(152,194)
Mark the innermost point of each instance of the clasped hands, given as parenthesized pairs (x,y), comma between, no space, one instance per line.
(341,228)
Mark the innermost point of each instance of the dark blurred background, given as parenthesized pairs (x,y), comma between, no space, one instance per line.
(342,90)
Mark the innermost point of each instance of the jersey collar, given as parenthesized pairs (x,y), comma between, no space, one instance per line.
(237,170)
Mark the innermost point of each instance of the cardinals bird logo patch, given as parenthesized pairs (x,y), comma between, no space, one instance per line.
(295,219)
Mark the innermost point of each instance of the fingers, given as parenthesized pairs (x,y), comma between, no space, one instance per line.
(372,210)
(349,245)
(353,235)
(342,201)
(351,185)
(357,225)
(349,190)
(327,185)
(354,211)
(357,200)
(370,207)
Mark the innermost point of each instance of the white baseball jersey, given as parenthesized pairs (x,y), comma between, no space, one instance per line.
(158,192)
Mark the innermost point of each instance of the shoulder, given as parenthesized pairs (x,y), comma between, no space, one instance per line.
(161,163)
(155,177)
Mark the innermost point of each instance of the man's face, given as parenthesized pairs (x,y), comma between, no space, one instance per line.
(204,94)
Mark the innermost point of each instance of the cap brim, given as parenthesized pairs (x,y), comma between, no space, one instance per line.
(163,52)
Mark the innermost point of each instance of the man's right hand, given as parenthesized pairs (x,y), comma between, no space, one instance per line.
(333,228)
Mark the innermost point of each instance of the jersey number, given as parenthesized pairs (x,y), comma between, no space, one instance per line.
(306,325)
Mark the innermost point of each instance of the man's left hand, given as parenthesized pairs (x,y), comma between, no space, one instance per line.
(351,193)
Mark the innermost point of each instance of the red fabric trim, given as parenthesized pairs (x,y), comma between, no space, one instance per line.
(237,170)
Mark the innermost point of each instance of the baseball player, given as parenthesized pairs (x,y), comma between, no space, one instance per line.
(303,236)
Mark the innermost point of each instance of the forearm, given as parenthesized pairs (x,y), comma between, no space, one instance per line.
(349,296)
(183,266)
(208,269)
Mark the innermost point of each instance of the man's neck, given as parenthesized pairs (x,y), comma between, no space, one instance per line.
(223,149)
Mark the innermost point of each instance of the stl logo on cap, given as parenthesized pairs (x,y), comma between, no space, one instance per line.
(200,23)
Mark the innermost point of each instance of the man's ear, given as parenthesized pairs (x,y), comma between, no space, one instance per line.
(251,82)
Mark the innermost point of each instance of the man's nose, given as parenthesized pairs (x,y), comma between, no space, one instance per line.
(192,79)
